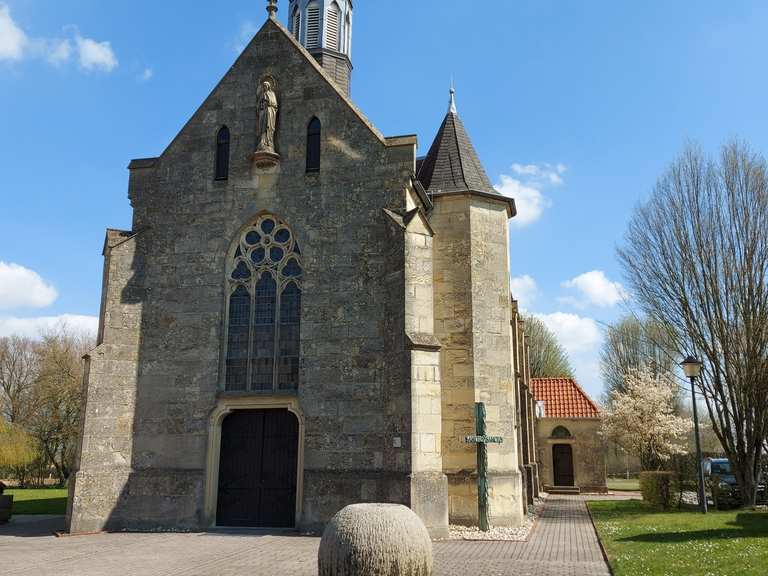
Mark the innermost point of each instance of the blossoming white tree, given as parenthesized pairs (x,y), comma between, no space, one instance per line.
(642,418)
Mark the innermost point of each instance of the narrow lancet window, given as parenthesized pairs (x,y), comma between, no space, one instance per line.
(237,339)
(263,358)
(222,154)
(264,310)
(290,328)
(313,145)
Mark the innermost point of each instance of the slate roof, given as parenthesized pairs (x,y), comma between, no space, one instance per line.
(563,398)
(452,165)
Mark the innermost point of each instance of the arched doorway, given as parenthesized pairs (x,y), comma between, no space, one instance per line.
(257,469)
(562,464)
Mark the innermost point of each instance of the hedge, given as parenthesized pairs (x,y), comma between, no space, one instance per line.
(658,488)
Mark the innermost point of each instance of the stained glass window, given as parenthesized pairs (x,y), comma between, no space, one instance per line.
(263,357)
(264,313)
(237,345)
(290,328)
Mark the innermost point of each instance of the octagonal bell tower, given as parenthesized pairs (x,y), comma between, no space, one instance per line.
(324,28)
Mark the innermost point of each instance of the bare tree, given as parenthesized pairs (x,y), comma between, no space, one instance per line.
(634,344)
(696,256)
(18,371)
(55,420)
(548,357)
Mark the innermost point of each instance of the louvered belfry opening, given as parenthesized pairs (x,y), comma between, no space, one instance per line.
(324,28)
(313,26)
(332,28)
(296,23)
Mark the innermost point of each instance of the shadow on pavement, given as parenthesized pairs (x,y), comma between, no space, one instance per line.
(31,526)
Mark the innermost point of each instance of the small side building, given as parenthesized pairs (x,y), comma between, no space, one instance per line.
(571,451)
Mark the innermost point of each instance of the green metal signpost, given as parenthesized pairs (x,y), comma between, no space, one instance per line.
(482,441)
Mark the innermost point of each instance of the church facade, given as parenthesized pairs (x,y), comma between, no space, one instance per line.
(303,314)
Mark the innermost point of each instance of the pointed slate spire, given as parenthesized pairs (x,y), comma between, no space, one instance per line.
(452,108)
(452,165)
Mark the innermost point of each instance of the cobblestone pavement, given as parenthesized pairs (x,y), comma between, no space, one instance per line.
(563,544)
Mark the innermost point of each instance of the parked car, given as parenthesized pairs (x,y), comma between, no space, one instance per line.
(723,485)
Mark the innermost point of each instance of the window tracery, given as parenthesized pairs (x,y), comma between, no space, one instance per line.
(264,309)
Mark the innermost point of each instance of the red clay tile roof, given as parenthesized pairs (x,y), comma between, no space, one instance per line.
(563,398)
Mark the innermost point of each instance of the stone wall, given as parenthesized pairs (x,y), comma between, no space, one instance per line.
(156,378)
(588,451)
(472,322)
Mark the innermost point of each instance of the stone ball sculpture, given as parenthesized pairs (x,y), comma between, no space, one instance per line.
(375,540)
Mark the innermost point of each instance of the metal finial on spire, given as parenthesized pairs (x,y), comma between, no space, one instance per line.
(452,108)
(272,8)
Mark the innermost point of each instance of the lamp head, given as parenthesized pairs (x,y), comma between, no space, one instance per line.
(692,367)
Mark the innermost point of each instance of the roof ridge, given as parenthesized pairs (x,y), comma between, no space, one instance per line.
(461,156)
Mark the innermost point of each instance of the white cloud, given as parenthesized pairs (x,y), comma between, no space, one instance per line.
(582,339)
(15,45)
(33,327)
(524,290)
(95,55)
(576,333)
(530,202)
(23,288)
(595,289)
(146,75)
(551,173)
(58,51)
(13,40)
(527,188)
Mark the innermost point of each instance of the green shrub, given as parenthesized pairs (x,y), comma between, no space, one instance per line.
(658,488)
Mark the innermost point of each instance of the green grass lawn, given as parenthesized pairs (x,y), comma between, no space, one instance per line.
(624,485)
(644,542)
(38,500)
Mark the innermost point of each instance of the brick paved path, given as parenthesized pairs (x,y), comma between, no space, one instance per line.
(563,544)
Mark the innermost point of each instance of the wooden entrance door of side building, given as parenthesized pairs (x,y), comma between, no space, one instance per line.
(562,460)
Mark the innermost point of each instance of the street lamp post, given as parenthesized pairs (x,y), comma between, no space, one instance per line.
(692,368)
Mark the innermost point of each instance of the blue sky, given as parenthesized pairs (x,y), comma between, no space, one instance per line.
(574,107)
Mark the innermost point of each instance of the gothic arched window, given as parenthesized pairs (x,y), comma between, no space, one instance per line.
(296,23)
(264,309)
(314,132)
(222,154)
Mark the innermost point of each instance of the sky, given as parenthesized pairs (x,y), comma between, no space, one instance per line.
(575,108)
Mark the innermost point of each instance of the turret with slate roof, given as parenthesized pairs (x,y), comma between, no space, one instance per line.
(472,320)
(452,164)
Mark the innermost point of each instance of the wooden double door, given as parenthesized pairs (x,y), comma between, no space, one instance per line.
(258,469)
(562,461)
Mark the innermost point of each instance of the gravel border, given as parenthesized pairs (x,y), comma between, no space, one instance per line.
(500,533)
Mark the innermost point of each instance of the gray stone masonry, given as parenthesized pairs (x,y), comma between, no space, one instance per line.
(156,375)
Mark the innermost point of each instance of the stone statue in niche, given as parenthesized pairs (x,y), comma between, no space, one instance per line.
(268,107)
(267,117)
